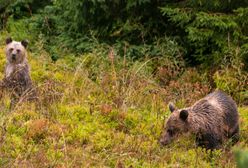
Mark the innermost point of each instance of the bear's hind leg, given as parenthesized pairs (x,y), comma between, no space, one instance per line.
(235,135)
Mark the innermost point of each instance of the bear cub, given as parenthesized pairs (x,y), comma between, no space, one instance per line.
(17,74)
(213,120)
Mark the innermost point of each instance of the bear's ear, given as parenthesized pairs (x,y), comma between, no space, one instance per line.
(8,40)
(172,107)
(184,115)
(24,43)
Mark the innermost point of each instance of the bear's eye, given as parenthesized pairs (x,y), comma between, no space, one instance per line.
(18,50)
(11,49)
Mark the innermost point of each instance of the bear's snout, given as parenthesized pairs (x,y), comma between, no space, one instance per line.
(165,139)
(164,142)
(13,56)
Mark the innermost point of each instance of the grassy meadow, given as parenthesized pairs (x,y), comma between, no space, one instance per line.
(97,111)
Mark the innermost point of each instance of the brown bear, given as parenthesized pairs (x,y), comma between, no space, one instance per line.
(17,74)
(213,120)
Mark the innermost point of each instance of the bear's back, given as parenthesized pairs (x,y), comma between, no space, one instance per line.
(227,106)
(219,107)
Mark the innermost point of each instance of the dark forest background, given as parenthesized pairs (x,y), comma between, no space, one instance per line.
(209,33)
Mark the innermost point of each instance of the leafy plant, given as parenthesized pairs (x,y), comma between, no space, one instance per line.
(241,158)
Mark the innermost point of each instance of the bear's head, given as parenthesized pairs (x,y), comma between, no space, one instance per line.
(16,51)
(176,124)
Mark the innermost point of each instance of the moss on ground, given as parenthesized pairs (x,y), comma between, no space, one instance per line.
(92,113)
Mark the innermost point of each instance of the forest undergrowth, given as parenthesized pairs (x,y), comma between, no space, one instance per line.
(108,111)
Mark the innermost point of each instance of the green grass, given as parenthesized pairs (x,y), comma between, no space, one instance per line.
(95,111)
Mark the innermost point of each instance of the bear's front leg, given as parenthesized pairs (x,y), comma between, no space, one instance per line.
(208,141)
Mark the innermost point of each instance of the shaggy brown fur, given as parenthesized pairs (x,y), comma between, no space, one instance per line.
(213,120)
(17,77)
